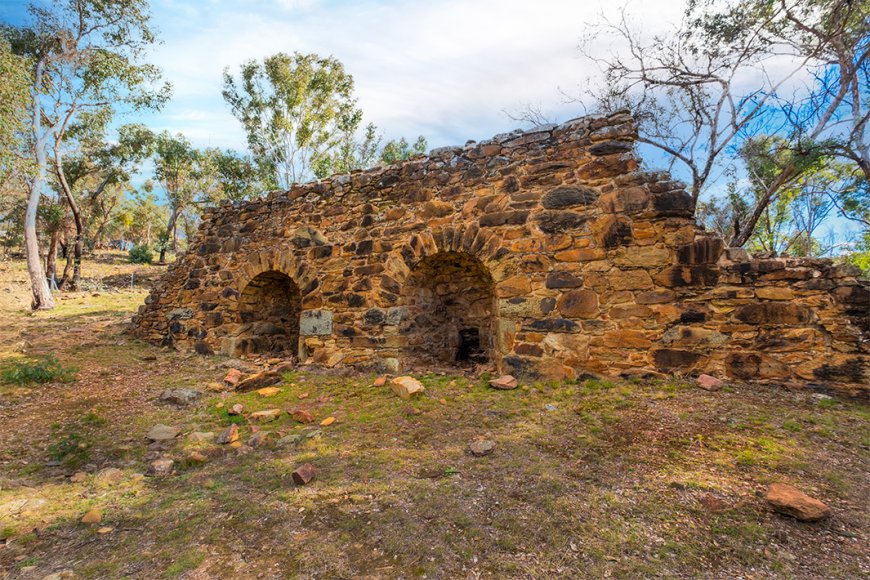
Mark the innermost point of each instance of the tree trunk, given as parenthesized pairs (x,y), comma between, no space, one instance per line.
(77,216)
(761,205)
(68,256)
(170,231)
(41,293)
(51,258)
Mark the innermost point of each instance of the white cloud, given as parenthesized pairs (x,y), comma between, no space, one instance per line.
(443,69)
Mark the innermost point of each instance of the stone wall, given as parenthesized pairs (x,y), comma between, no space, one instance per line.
(545,252)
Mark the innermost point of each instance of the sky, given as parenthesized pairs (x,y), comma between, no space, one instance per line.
(449,70)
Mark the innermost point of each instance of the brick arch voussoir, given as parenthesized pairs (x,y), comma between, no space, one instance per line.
(279,259)
(469,239)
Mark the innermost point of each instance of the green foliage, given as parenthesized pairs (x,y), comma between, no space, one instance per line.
(860,254)
(400,150)
(225,175)
(14,95)
(141,254)
(44,370)
(298,112)
(71,450)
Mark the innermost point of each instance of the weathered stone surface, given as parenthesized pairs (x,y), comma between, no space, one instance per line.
(790,501)
(568,196)
(751,365)
(263,379)
(557,222)
(229,435)
(304,474)
(315,323)
(92,516)
(559,280)
(670,359)
(180,397)
(693,335)
(302,415)
(265,416)
(481,447)
(233,377)
(773,313)
(578,304)
(162,433)
(547,254)
(201,436)
(708,383)
(161,467)
(407,387)
(504,382)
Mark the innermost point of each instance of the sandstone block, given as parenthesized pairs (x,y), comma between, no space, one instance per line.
(578,304)
(304,474)
(504,382)
(789,500)
(407,387)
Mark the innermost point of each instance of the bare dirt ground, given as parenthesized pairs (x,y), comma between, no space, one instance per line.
(591,479)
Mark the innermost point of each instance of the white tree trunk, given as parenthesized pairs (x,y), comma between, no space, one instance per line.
(42,298)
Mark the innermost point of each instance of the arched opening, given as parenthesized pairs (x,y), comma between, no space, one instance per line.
(451,304)
(269,308)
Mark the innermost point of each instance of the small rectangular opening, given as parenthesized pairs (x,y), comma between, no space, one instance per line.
(470,349)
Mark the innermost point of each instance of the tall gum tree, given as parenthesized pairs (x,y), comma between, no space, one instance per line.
(297,110)
(86,55)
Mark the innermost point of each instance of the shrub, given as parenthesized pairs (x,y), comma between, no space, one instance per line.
(141,254)
(45,370)
(71,450)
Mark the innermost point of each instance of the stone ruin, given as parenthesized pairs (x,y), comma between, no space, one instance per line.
(545,254)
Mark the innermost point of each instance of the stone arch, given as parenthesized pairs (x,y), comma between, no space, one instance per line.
(481,243)
(279,259)
(451,310)
(263,305)
(268,315)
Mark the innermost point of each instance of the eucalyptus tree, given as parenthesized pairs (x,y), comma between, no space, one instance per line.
(297,110)
(86,56)
(174,169)
(92,165)
(13,117)
(737,69)
(400,150)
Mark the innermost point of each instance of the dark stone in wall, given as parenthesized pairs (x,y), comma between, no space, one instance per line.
(618,233)
(773,313)
(554,325)
(556,222)
(504,218)
(671,359)
(610,147)
(561,279)
(702,251)
(672,203)
(568,196)
(374,316)
(852,370)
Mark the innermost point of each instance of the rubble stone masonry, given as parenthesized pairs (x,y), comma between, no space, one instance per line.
(545,253)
